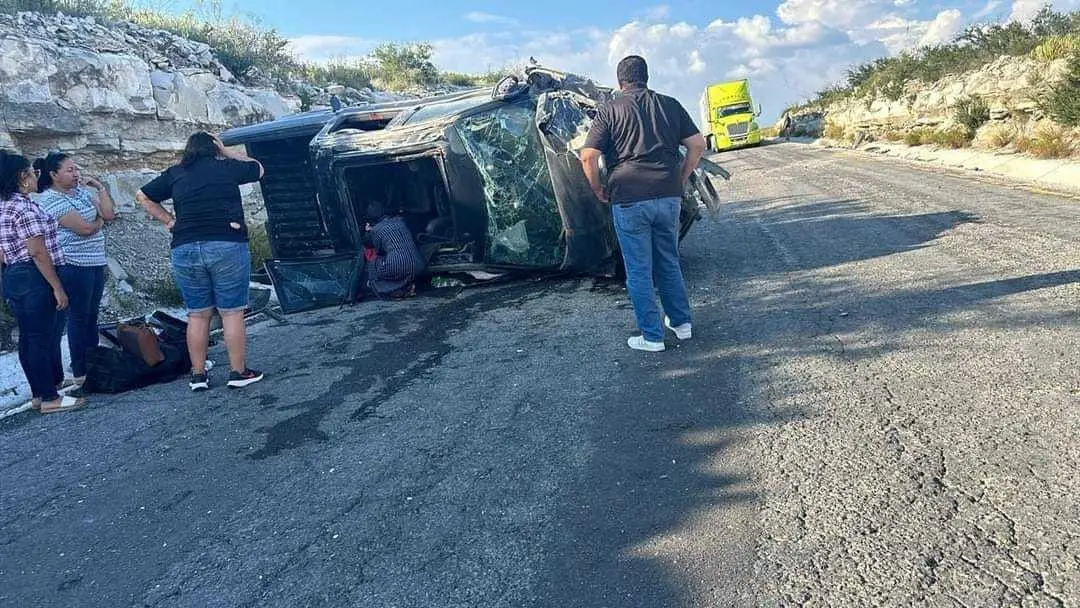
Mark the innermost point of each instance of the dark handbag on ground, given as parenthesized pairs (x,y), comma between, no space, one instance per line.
(116,370)
(139,339)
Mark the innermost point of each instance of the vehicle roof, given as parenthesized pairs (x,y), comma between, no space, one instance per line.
(308,124)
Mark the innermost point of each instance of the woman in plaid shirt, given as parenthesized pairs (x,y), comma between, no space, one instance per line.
(31,255)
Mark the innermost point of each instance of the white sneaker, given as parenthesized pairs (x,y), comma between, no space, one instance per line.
(640,343)
(682,332)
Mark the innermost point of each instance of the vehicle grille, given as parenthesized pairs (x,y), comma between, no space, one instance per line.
(738,129)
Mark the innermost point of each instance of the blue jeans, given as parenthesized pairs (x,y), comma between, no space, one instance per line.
(648,234)
(84,286)
(213,274)
(32,302)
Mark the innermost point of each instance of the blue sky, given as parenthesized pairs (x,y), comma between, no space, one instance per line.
(788,48)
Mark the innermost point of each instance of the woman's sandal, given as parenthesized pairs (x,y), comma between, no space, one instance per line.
(67,404)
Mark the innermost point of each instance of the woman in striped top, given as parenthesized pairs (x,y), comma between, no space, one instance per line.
(32,258)
(396,261)
(81,214)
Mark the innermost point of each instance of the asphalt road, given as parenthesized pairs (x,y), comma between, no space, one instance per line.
(880,407)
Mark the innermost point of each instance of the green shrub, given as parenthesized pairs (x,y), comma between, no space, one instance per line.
(1054,48)
(918,137)
(975,47)
(348,73)
(486,79)
(240,44)
(259,244)
(164,291)
(306,99)
(400,66)
(955,137)
(458,79)
(1062,101)
(244,43)
(971,113)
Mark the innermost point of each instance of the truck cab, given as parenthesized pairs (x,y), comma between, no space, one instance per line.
(728,116)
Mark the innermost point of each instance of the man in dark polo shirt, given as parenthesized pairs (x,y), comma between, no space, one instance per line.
(639,134)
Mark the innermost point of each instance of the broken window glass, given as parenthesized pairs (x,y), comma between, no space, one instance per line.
(309,284)
(561,116)
(524,226)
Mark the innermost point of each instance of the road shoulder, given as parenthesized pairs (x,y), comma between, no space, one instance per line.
(1057,176)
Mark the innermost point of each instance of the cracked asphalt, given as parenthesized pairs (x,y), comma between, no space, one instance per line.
(880,407)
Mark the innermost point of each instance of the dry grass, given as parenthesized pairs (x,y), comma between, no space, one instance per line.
(919,137)
(955,138)
(998,136)
(770,132)
(893,135)
(1047,141)
(834,131)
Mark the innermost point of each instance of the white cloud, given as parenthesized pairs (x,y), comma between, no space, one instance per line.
(1024,10)
(837,13)
(986,11)
(482,17)
(789,55)
(323,48)
(943,28)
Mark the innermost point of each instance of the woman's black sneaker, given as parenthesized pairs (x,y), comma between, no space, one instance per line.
(199,382)
(244,378)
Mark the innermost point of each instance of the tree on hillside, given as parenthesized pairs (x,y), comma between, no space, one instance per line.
(400,66)
(1062,102)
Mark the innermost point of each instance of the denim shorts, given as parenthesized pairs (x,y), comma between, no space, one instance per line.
(213,274)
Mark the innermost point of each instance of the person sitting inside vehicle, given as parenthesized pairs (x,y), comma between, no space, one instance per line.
(393,259)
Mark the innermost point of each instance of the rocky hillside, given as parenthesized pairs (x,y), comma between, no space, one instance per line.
(123,99)
(1001,96)
(1012,86)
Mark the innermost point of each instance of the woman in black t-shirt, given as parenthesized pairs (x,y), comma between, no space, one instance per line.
(211,261)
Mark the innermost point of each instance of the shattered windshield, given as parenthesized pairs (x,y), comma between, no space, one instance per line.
(524,226)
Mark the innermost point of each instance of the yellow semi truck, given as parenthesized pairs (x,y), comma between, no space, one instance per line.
(728,116)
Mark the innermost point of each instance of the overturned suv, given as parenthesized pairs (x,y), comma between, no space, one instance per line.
(489,181)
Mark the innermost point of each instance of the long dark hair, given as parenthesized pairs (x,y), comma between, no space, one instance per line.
(12,166)
(46,166)
(200,145)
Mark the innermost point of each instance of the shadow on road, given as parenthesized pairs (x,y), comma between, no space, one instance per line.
(305,480)
(815,235)
(659,445)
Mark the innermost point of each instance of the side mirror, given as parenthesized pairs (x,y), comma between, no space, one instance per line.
(758,113)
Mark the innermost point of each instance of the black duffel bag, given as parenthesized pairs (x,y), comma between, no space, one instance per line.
(117,370)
